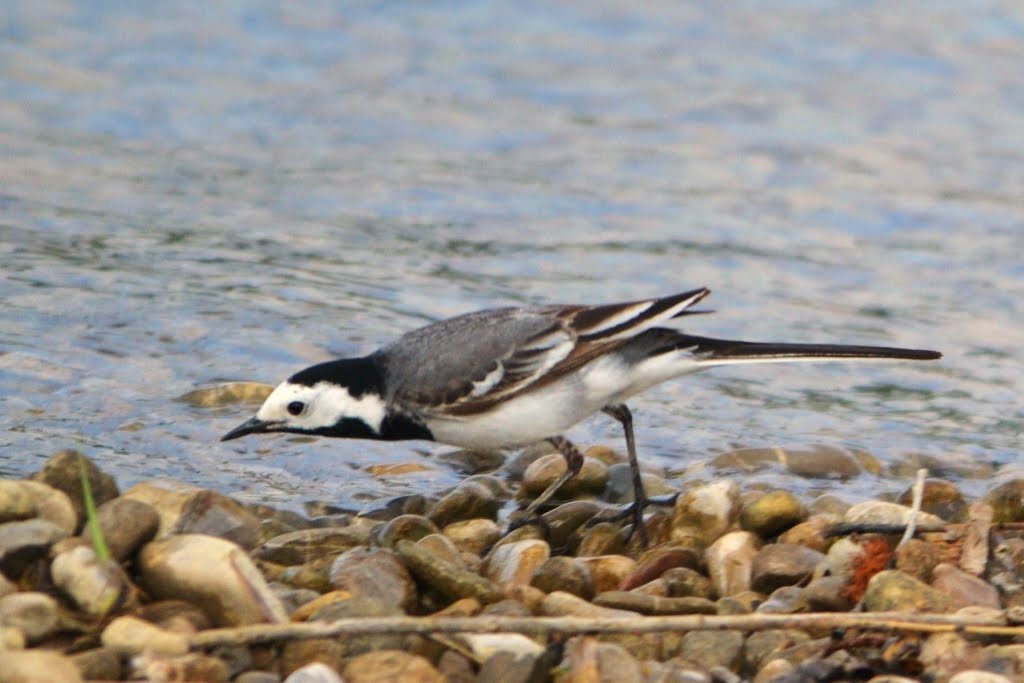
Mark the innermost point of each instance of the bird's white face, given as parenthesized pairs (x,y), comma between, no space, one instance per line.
(324,408)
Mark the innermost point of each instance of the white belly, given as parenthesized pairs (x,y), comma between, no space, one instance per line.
(538,414)
(552,410)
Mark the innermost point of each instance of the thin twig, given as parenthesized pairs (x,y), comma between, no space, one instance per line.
(915,506)
(546,626)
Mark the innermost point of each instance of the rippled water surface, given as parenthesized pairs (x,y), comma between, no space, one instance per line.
(192,193)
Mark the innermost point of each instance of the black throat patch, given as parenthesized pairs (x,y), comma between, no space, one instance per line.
(399,427)
(395,427)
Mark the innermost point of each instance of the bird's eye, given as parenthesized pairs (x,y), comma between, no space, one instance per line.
(296,407)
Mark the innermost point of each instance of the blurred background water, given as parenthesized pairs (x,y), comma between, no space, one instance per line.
(198,192)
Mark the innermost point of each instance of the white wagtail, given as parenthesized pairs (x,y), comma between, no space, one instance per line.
(508,377)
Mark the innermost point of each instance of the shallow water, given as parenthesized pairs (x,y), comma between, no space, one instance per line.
(221,191)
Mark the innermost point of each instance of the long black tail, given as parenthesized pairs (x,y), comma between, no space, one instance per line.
(733,351)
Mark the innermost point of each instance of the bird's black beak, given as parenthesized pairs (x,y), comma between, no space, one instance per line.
(251,426)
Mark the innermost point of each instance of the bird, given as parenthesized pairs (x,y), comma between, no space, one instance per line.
(508,377)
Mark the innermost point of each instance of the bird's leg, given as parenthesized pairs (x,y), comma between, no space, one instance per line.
(640,500)
(573,463)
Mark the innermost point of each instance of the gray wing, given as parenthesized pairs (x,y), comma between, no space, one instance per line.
(469,363)
(462,359)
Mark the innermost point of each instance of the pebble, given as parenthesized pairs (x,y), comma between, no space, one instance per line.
(817,461)
(11,638)
(24,499)
(709,649)
(603,538)
(99,664)
(730,562)
(37,666)
(126,526)
(469,500)
(6,587)
(403,528)
(1008,659)
(1007,501)
(941,498)
(377,574)
(676,670)
(214,514)
(892,590)
(963,588)
(826,594)
(772,513)
(63,471)
(828,504)
(473,536)
(564,574)
(313,575)
(881,512)
(266,677)
(486,645)
(167,496)
(975,676)
(542,472)
(32,613)
(761,647)
(175,615)
(562,522)
(297,654)
(657,561)
(784,600)
(782,564)
(562,604)
(24,542)
(193,667)
(811,533)
(16,502)
(829,462)
(228,394)
(293,598)
(314,673)
(131,635)
(942,654)
(390,666)
(608,571)
(593,660)
(318,601)
(303,545)
(707,511)
(96,587)
(514,667)
(777,670)
(683,582)
(443,547)
(516,563)
(225,584)
(449,579)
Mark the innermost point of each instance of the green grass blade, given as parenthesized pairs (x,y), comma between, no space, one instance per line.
(99,544)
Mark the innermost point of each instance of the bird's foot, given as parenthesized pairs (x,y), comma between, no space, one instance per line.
(635,513)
